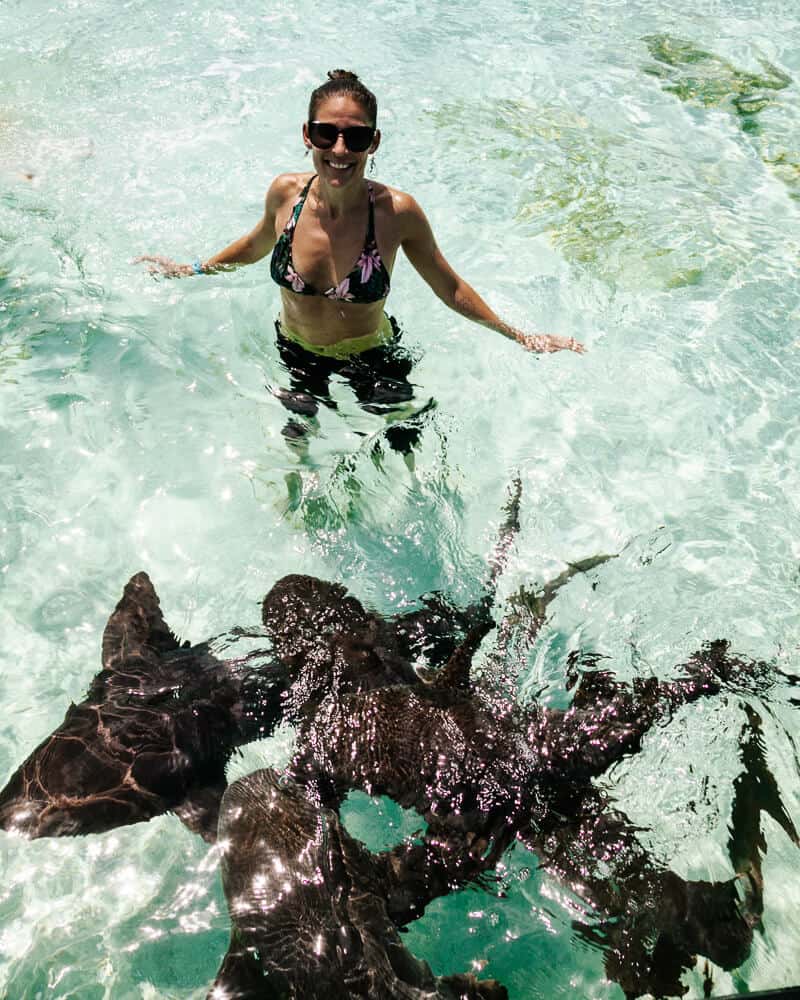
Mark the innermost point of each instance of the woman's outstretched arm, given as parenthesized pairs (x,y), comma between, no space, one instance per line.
(246,250)
(420,247)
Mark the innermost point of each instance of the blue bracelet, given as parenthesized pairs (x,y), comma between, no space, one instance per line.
(197,267)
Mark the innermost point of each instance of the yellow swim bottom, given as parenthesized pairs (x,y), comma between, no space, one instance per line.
(343,348)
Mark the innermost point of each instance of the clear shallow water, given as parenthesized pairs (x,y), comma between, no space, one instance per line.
(625,175)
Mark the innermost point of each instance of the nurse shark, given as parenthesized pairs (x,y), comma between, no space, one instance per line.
(162,718)
(311,908)
(312,911)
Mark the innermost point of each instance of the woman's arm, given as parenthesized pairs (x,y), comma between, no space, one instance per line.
(246,250)
(420,247)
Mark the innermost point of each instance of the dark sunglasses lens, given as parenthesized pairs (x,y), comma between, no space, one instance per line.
(323,135)
(358,137)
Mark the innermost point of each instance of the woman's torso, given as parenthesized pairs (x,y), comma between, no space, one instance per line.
(335,271)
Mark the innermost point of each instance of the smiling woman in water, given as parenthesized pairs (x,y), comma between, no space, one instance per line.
(334,237)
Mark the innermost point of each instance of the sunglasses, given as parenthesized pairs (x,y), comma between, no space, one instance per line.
(357,138)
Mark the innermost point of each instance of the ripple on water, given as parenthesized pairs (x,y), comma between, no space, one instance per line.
(602,170)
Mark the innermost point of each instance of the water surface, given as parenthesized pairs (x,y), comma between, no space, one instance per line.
(621,172)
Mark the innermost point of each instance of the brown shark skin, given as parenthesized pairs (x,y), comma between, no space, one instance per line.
(161,720)
(480,779)
(308,908)
(153,734)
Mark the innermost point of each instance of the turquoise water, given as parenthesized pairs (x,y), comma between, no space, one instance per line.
(620,173)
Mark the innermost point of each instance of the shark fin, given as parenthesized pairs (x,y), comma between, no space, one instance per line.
(137,627)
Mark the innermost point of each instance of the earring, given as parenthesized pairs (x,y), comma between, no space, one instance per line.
(372,164)
(307,151)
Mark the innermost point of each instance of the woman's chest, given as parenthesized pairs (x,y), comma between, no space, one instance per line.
(326,253)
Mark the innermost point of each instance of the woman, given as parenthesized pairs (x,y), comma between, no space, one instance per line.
(332,317)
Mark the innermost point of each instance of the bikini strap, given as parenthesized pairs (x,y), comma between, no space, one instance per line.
(297,208)
(371,215)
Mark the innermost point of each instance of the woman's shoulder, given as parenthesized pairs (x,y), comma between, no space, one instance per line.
(395,202)
(285,187)
(400,213)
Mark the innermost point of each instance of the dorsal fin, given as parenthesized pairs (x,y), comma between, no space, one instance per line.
(136,626)
(455,673)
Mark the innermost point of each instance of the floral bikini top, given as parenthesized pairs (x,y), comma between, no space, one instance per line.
(367,282)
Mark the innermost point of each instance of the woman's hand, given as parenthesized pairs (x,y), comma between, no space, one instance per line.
(548,343)
(163,267)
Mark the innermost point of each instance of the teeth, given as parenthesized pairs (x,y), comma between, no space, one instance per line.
(339,166)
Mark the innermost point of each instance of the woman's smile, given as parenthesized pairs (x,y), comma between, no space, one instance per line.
(339,166)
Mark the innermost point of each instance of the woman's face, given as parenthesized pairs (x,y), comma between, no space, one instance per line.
(338,166)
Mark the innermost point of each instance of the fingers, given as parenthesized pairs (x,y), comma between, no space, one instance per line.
(156,265)
(549,343)
(564,344)
(149,258)
(160,266)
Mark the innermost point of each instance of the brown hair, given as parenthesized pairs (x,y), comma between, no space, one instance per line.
(341,82)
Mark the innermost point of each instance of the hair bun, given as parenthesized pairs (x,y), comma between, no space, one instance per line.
(341,74)
(344,83)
